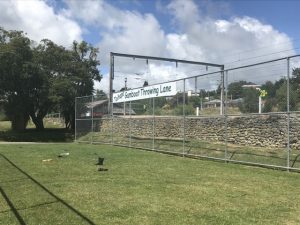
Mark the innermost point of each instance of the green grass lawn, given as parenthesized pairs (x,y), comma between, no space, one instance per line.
(53,132)
(140,187)
(251,154)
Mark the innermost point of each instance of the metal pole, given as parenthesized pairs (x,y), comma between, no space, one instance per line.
(92,117)
(112,121)
(165,59)
(288,113)
(222,92)
(111,105)
(226,115)
(130,109)
(183,108)
(153,125)
(124,101)
(75,119)
(259,104)
(111,76)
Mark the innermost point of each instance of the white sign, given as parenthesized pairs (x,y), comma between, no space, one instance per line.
(159,90)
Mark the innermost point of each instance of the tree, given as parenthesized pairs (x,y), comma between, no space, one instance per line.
(101,95)
(20,78)
(235,89)
(79,73)
(34,81)
(250,100)
(295,82)
(177,99)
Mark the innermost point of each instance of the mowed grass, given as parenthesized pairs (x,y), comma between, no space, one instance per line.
(53,132)
(140,187)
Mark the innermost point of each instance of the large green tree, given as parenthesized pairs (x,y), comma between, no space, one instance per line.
(36,80)
(250,100)
(236,89)
(71,73)
(20,78)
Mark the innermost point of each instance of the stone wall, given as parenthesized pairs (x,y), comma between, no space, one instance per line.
(253,130)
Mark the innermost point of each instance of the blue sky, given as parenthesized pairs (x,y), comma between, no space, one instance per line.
(281,14)
(231,32)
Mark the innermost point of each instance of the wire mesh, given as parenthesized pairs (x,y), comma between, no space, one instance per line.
(249,114)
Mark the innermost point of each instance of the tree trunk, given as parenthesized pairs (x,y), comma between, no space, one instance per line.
(72,121)
(69,120)
(19,122)
(38,122)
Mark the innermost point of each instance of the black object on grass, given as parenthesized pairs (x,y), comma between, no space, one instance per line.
(100,161)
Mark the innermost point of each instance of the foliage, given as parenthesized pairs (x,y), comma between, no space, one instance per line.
(20,79)
(188,110)
(195,101)
(236,90)
(48,77)
(100,95)
(250,101)
(177,99)
(281,97)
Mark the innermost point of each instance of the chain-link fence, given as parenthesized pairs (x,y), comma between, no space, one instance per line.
(248,114)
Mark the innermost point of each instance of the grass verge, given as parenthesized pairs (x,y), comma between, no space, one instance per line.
(139,187)
(52,133)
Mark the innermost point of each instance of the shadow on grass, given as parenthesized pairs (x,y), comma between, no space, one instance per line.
(57,199)
(32,135)
(13,208)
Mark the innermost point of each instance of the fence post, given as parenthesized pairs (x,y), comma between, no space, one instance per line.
(226,115)
(130,124)
(222,92)
(288,113)
(75,119)
(111,77)
(153,124)
(183,111)
(112,121)
(92,117)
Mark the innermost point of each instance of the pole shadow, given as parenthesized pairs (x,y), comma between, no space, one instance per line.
(13,208)
(58,199)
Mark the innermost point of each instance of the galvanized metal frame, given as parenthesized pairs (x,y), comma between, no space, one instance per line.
(114,54)
(225,114)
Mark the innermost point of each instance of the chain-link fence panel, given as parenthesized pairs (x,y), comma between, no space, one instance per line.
(294,116)
(83,119)
(249,114)
(101,119)
(169,122)
(204,116)
(257,132)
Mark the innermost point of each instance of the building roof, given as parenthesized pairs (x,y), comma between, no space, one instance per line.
(95,103)
(116,109)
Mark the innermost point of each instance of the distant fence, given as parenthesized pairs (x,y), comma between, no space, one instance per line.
(249,114)
(55,119)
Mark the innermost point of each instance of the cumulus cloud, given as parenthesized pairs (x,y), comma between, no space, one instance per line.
(197,33)
(215,38)
(121,30)
(39,21)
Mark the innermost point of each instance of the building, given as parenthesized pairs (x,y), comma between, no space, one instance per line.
(100,108)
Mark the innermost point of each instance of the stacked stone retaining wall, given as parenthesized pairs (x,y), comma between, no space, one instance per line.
(253,130)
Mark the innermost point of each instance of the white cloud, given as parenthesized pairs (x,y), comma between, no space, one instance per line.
(39,21)
(198,34)
(121,30)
